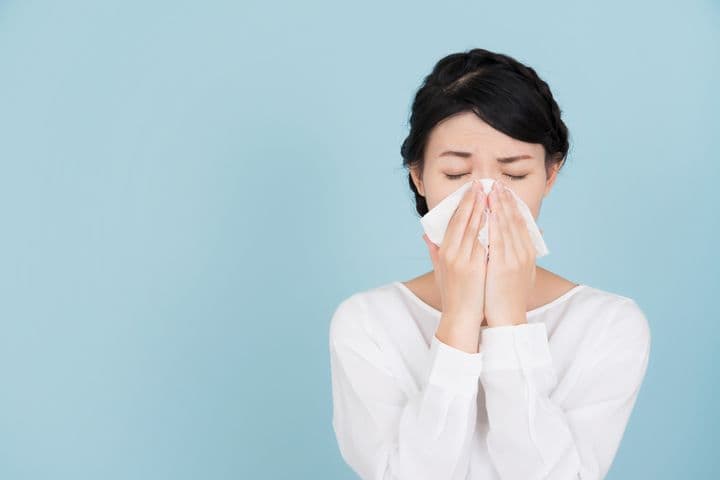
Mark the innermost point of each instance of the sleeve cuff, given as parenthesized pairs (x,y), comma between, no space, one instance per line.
(515,346)
(454,369)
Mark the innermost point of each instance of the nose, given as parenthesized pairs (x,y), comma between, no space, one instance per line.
(486,188)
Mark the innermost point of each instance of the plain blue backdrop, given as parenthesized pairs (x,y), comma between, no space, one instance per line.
(189,189)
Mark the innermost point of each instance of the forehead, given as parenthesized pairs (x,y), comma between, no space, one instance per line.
(469,133)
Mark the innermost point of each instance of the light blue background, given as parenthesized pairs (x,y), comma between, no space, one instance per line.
(188,190)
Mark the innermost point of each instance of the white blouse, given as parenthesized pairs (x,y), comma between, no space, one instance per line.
(549,399)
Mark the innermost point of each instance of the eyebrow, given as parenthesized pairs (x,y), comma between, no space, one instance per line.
(499,159)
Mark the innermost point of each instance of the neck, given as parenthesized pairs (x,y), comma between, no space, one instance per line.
(536,298)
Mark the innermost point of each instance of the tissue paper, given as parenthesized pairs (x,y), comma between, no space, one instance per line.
(435,221)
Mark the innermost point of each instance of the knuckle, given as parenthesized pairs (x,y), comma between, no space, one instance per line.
(452,263)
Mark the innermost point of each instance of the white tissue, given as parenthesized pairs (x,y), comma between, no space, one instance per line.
(435,221)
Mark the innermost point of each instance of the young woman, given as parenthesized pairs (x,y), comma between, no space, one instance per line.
(488,366)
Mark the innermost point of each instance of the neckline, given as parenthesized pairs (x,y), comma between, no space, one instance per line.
(529,313)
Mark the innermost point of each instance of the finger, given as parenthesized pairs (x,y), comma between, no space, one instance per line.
(479,249)
(458,221)
(496,246)
(523,230)
(503,224)
(473,227)
(533,275)
(515,222)
(526,238)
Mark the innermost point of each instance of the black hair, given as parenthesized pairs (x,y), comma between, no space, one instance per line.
(504,93)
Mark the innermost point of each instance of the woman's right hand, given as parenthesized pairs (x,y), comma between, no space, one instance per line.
(460,264)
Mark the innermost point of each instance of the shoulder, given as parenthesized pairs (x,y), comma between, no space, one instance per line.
(358,315)
(618,317)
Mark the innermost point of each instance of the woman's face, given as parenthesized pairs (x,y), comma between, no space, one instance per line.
(463,147)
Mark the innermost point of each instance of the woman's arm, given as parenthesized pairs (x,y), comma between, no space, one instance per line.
(381,433)
(530,436)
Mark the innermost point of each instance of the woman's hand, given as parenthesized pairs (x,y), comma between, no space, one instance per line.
(460,266)
(511,261)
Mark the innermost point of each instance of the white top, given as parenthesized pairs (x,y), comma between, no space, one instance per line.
(549,399)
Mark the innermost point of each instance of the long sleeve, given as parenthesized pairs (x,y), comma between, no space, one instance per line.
(384,433)
(532,437)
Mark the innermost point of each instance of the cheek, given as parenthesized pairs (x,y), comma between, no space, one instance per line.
(531,196)
(433,199)
(535,209)
(533,202)
(436,193)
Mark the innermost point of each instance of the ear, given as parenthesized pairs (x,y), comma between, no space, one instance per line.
(417,179)
(551,178)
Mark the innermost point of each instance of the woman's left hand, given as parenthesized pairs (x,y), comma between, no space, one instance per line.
(511,261)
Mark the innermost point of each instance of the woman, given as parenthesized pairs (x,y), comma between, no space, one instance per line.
(486,367)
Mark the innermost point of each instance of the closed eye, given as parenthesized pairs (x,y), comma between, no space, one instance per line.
(513,177)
